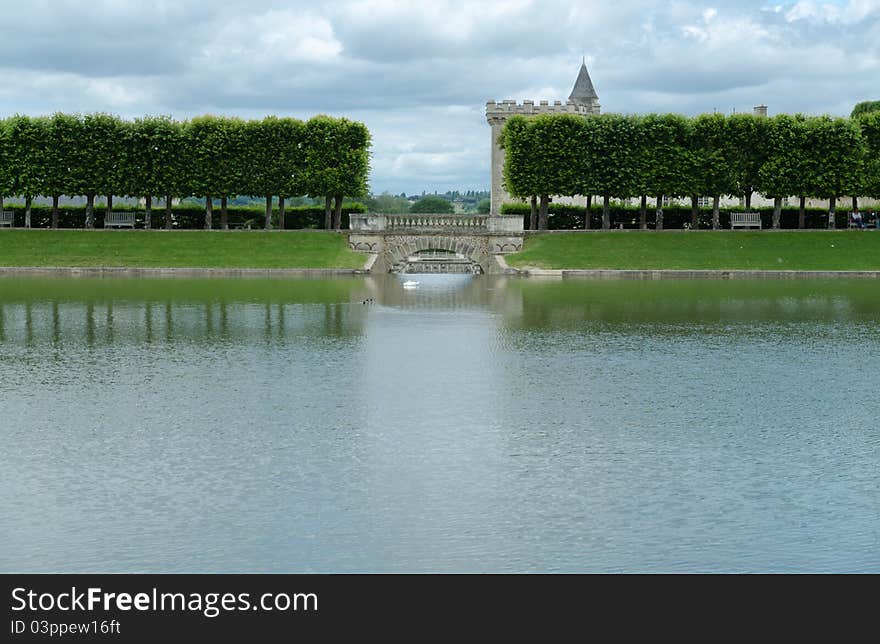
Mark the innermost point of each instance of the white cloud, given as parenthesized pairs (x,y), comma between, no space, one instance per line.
(419,74)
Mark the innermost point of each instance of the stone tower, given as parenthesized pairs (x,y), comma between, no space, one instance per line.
(582,100)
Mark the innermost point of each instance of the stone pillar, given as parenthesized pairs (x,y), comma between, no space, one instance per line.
(498,193)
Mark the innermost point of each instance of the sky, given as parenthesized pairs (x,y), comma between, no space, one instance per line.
(418,74)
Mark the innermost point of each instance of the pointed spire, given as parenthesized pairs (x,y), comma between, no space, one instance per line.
(583,91)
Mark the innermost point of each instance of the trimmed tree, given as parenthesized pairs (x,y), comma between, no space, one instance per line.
(667,162)
(612,168)
(712,172)
(746,151)
(6,169)
(836,155)
(27,141)
(337,163)
(782,173)
(520,167)
(869,123)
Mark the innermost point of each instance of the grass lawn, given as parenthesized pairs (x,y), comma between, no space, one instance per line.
(756,250)
(177,249)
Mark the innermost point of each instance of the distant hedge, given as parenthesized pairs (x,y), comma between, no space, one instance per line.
(618,156)
(188,217)
(158,158)
(567,217)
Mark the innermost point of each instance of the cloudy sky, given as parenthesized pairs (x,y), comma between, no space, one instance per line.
(419,73)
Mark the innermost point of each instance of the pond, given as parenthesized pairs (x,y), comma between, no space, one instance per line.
(464,423)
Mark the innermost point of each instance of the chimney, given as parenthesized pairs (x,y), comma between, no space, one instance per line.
(760,110)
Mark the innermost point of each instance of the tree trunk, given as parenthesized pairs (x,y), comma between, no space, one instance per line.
(533,212)
(224,214)
(606,211)
(542,212)
(267,225)
(90,211)
(855,203)
(832,208)
(749,201)
(280,213)
(589,215)
(167,212)
(337,214)
(148,212)
(54,211)
(109,206)
(28,202)
(695,212)
(643,213)
(777,212)
(802,213)
(716,214)
(209,213)
(658,214)
(328,213)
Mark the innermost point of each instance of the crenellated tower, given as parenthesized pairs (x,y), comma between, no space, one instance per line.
(583,100)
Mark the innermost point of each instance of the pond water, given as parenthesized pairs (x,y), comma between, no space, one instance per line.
(466,424)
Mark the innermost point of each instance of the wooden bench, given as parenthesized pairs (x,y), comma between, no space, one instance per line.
(6,218)
(119,220)
(745,220)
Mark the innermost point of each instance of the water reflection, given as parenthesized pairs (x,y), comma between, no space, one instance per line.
(471,423)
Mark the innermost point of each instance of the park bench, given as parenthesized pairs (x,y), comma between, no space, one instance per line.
(119,220)
(745,220)
(6,218)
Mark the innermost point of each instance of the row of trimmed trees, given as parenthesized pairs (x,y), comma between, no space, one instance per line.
(670,155)
(209,157)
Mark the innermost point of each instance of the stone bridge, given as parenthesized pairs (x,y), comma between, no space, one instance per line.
(436,243)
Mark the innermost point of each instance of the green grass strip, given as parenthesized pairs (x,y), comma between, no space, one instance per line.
(177,249)
(855,250)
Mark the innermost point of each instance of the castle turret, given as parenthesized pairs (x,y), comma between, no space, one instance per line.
(583,92)
(583,100)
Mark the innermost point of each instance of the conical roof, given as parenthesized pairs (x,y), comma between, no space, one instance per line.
(583,91)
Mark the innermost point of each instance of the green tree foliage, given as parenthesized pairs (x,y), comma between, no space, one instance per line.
(266,161)
(865,107)
(869,124)
(97,164)
(387,204)
(784,171)
(484,206)
(157,166)
(208,144)
(835,158)
(521,171)
(209,157)
(710,155)
(613,164)
(337,162)
(60,159)
(7,184)
(712,171)
(27,142)
(667,162)
(747,151)
(432,204)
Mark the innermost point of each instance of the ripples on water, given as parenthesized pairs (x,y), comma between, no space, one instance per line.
(470,424)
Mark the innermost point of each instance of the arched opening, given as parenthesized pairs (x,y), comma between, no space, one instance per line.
(436,255)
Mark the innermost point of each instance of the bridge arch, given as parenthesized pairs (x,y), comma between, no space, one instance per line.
(398,251)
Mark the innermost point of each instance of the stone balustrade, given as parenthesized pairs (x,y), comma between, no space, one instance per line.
(427,222)
(435,223)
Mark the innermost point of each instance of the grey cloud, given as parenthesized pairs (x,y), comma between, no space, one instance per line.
(419,74)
